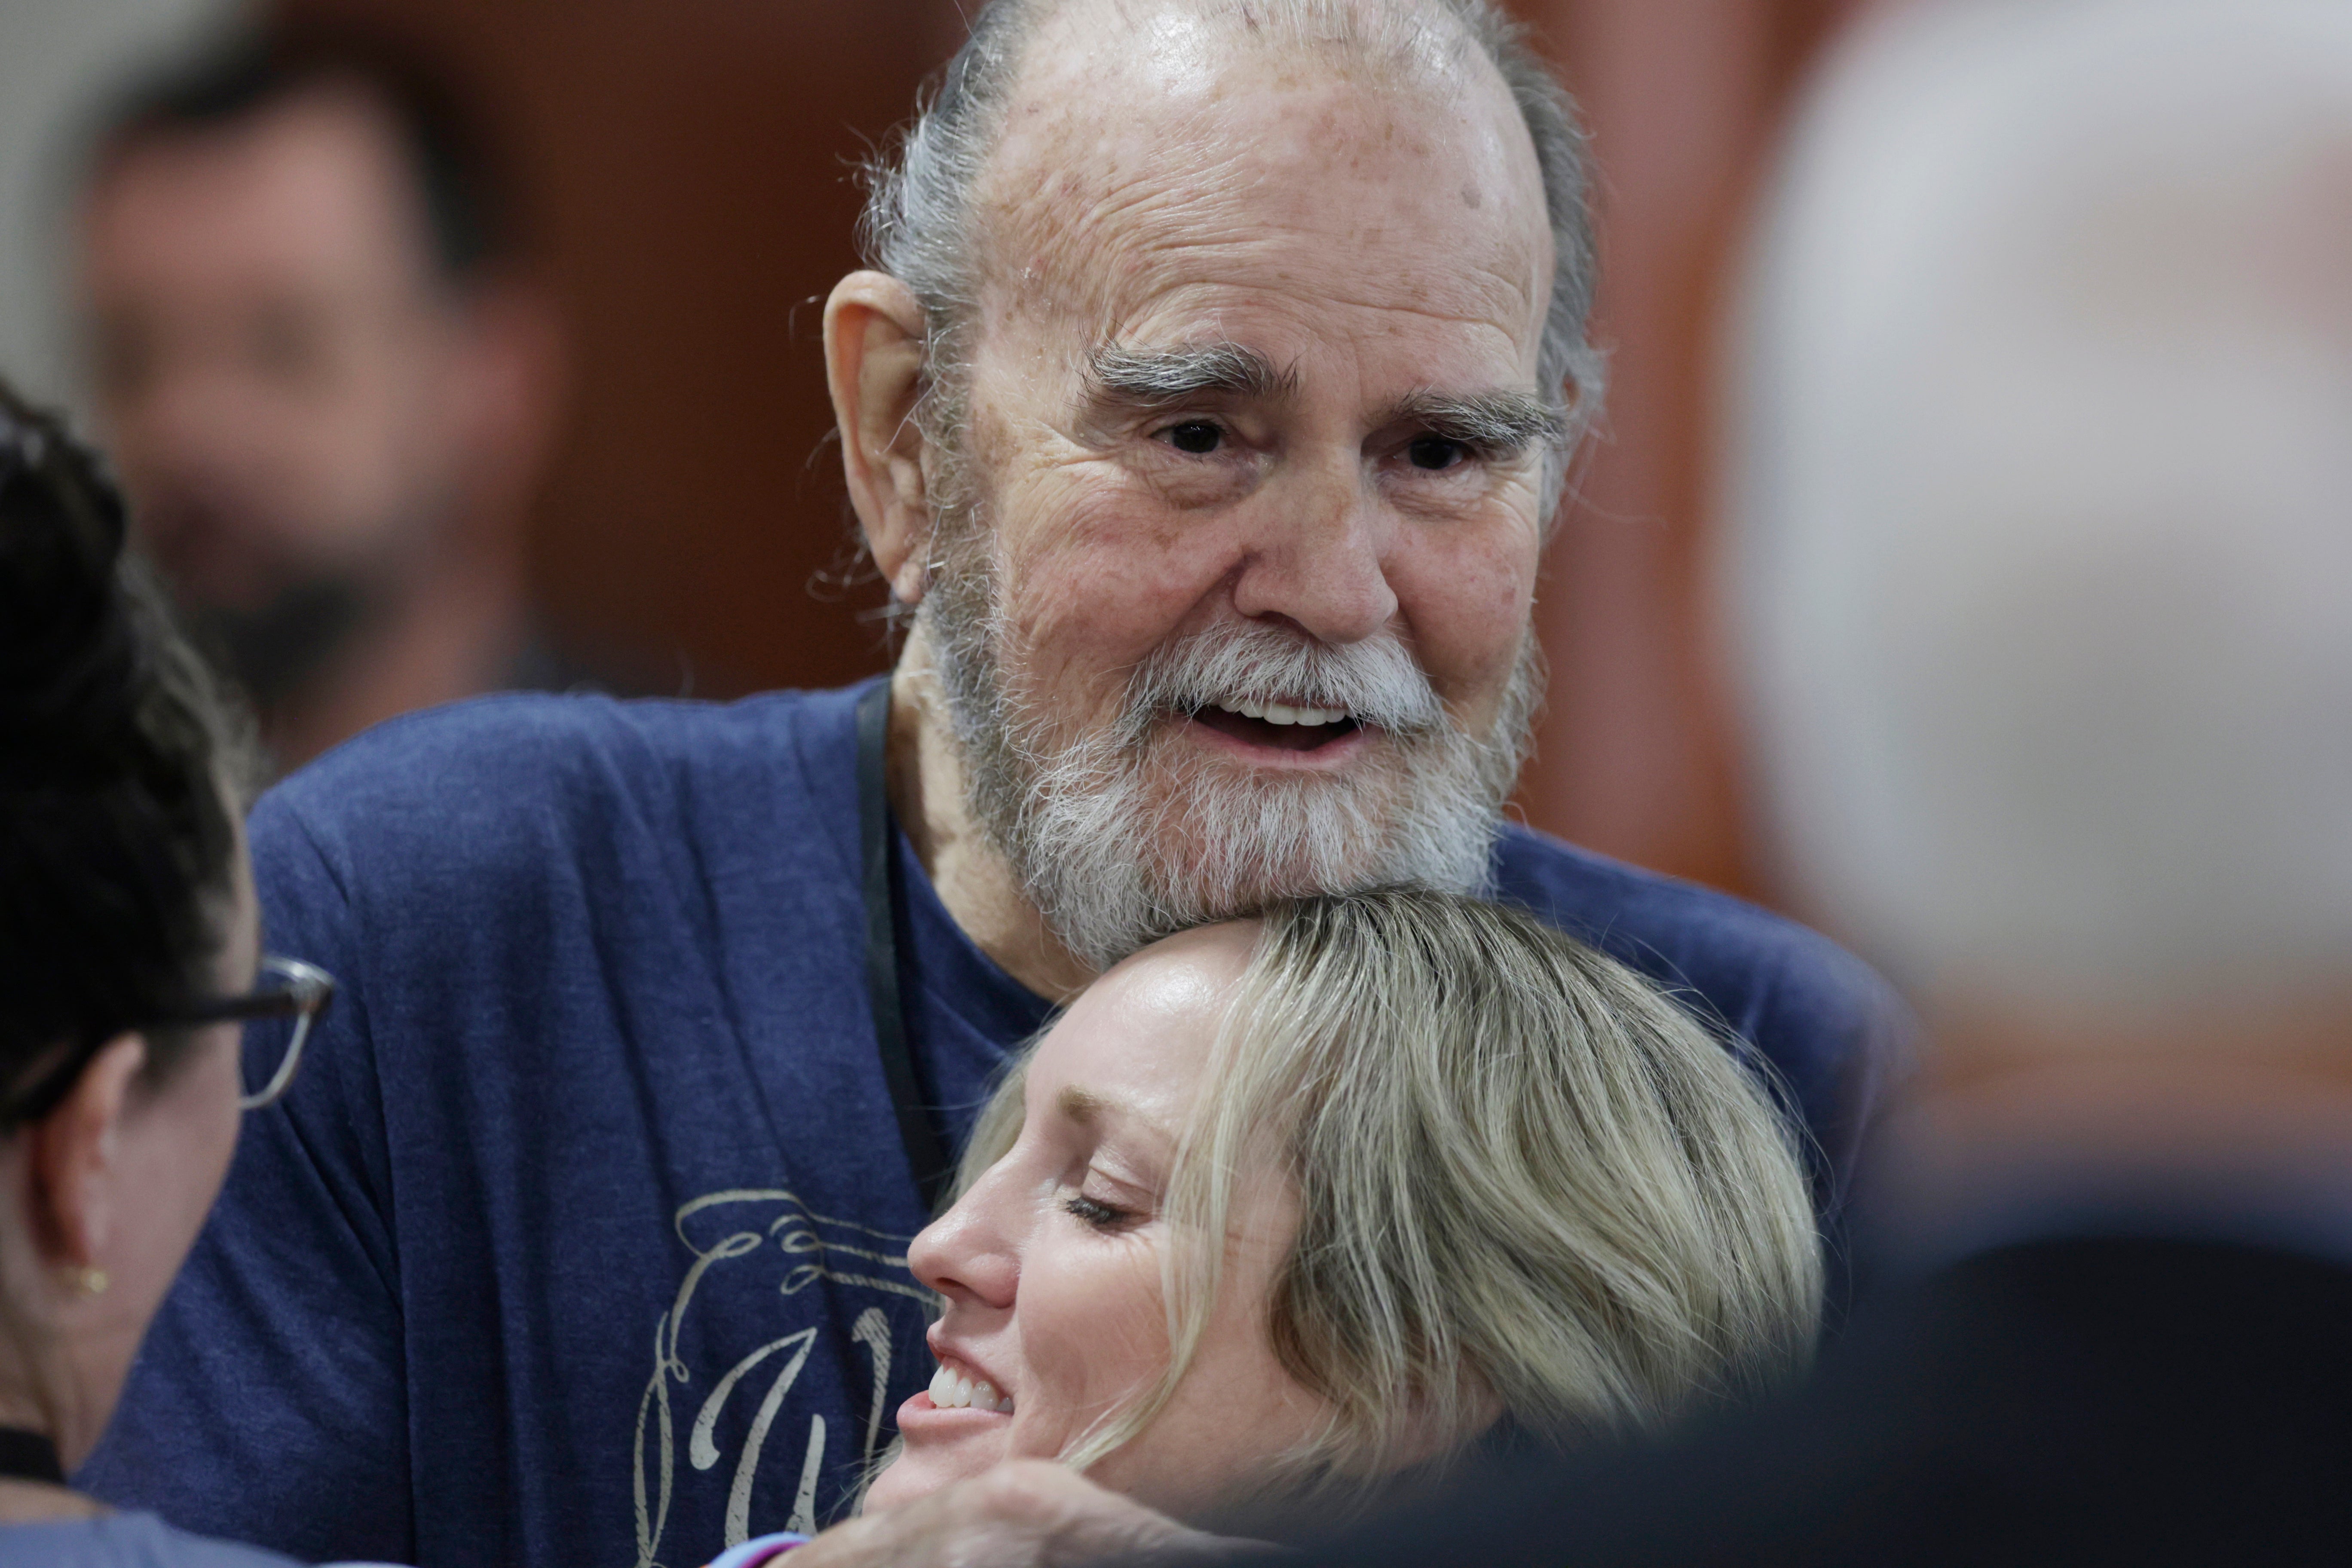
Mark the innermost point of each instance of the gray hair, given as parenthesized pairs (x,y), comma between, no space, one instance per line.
(1526,1177)
(2046,502)
(919,226)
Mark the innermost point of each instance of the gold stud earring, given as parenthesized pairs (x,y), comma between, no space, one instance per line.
(91,1281)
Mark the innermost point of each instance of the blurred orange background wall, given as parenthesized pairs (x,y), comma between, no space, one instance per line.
(690,175)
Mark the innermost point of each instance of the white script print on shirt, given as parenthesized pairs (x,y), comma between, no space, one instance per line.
(763,1241)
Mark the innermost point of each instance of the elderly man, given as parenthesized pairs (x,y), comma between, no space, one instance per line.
(2049,536)
(1206,413)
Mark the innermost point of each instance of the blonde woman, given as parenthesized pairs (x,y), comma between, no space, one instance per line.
(1291,1211)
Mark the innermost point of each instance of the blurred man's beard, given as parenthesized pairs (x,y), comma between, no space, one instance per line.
(277,650)
(270,615)
(1119,839)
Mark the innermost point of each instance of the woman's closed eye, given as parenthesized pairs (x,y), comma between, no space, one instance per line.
(1098,1215)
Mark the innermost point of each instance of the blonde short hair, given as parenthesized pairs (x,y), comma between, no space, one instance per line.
(1526,1177)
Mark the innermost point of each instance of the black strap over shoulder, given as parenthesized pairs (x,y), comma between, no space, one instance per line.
(927,1150)
(29,1457)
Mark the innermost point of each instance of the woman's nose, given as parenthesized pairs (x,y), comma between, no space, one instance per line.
(965,1254)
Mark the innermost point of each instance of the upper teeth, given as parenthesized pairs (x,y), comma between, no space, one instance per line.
(950,1390)
(1283,713)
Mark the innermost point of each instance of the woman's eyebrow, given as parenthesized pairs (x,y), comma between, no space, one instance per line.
(1083,1106)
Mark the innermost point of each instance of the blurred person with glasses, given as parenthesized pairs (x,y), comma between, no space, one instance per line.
(130,957)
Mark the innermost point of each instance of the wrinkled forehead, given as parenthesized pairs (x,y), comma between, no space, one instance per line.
(1349,156)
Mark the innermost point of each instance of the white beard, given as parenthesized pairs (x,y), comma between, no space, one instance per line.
(1119,839)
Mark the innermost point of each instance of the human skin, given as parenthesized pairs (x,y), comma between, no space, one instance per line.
(1050,1266)
(271,348)
(1377,237)
(119,1178)
(291,390)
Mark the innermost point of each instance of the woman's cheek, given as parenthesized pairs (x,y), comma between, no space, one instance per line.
(1093,1337)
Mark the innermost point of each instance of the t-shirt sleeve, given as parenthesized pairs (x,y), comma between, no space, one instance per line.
(268,1403)
(1838,1039)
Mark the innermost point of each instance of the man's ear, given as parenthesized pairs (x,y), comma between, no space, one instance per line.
(873,364)
(72,1166)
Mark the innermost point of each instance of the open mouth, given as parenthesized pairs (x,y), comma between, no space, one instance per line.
(957,1388)
(1278,726)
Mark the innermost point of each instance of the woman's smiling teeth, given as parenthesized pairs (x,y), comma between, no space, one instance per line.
(953,1390)
(1283,713)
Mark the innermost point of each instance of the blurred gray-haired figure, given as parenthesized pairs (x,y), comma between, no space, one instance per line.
(2043,500)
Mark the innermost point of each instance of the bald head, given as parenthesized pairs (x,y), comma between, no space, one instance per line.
(1126,157)
(1065,125)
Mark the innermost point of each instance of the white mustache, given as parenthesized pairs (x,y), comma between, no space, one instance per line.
(1378,683)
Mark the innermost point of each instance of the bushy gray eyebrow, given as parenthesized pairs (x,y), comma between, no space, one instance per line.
(1498,421)
(1153,378)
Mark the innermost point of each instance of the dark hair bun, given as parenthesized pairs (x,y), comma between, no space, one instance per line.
(118,838)
(68,651)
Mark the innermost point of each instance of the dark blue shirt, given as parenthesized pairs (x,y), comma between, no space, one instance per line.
(582,1235)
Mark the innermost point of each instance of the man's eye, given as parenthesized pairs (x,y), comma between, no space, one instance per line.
(1101,1215)
(1197,437)
(1436,453)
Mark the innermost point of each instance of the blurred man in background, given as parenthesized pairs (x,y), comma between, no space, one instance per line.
(2048,516)
(326,389)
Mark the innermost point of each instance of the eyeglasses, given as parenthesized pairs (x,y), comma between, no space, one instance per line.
(285,988)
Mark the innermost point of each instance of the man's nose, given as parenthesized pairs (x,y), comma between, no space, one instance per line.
(1318,555)
(965,1255)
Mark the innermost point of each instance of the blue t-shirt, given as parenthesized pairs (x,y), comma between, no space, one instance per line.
(581,1234)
